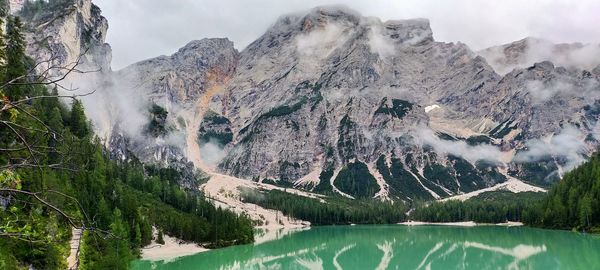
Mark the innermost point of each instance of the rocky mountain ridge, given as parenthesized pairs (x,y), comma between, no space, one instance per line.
(337,103)
(528,51)
(300,108)
(359,98)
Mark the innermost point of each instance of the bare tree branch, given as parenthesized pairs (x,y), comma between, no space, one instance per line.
(36,146)
(24,142)
(58,96)
(69,219)
(45,80)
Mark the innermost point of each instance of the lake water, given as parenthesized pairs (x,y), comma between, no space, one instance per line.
(402,247)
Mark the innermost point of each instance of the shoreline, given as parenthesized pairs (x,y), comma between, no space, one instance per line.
(175,248)
(461,223)
(171,250)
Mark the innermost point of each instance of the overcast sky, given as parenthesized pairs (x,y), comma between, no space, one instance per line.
(141,29)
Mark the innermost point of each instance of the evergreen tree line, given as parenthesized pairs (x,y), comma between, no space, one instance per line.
(573,203)
(488,208)
(335,211)
(48,152)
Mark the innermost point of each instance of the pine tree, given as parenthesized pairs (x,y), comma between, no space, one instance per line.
(146,231)
(137,241)
(585,212)
(118,253)
(16,70)
(55,121)
(50,103)
(160,239)
(78,122)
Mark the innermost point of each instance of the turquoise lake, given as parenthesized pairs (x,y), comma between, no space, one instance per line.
(402,247)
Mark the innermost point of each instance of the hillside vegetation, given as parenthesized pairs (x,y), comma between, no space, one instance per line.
(55,175)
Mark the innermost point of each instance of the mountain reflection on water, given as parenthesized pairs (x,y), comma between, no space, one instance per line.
(401,247)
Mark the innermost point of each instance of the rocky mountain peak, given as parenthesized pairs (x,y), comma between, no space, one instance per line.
(201,52)
(397,29)
(320,16)
(327,24)
(528,51)
(321,92)
(184,76)
(413,30)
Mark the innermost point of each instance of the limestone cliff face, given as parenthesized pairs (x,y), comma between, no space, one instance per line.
(324,90)
(177,83)
(183,77)
(338,103)
(69,33)
(317,92)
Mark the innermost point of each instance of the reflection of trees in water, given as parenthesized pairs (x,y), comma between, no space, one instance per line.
(384,247)
(266,235)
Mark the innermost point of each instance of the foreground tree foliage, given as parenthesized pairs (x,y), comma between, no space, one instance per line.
(573,203)
(335,211)
(55,176)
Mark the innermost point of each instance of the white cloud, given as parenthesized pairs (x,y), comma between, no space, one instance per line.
(112,103)
(472,153)
(321,42)
(380,44)
(541,92)
(544,91)
(212,152)
(583,56)
(568,144)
